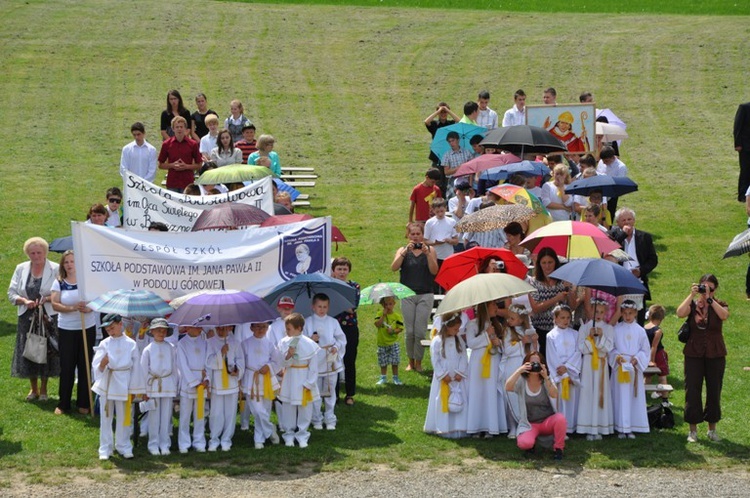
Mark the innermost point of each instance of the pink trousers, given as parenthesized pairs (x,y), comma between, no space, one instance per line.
(553,425)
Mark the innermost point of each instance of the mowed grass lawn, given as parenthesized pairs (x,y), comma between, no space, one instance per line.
(345,89)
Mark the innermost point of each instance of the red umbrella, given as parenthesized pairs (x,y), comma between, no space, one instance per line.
(571,239)
(485,161)
(229,215)
(285,219)
(462,265)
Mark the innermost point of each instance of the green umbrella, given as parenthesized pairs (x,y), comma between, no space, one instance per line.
(374,293)
(482,288)
(234,173)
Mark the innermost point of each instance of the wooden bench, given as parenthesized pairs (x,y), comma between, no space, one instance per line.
(299,169)
(298,177)
(430,325)
(297,184)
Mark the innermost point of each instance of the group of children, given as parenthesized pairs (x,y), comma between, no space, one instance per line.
(599,370)
(289,365)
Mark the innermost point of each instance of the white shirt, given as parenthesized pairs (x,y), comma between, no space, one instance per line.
(514,117)
(487,118)
(208,143)
(436,229)
(617,168)
(139,160)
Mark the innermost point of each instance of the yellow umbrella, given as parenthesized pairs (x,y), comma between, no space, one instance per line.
(513,194)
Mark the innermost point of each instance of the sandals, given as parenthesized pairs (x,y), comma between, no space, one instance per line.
(32,396)
(349,401)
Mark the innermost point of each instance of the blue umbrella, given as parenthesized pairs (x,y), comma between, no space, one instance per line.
(131,303)
(303,287)
(528,168)
(62,244)
(600,274)
(465,131)
(610,186)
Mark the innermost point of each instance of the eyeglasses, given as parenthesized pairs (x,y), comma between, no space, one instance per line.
(114,200)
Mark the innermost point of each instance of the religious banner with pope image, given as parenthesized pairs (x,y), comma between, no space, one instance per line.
(573,124)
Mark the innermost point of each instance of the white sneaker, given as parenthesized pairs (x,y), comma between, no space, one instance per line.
(103,457)
(200,449)
(289,444)
(213,447)
(165,452)
(331,427)
(318,427)
(258,446)
(275,438)
(597,437)
(183,451)
(590,437)
(621,435)
(631,435)
(244,427)
(303,444)
(713,436)
(155,452)
(127,456)
(226,447)
(692,437)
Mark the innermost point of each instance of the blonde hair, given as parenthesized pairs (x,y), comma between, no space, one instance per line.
(35,241)
(211,118)
(562,168)
(238,104)
(265,140)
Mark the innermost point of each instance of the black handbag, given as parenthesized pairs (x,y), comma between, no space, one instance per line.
(683,335)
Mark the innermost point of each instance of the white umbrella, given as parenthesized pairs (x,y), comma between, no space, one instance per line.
(611,132)
(482,288)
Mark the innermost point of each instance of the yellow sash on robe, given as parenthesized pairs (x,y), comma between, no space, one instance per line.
(486,362)
(200,400)
(128,418)
(224,375)
(445,392)
(306,396)
(594,354)
(268,391)
(565,385)
(623,377)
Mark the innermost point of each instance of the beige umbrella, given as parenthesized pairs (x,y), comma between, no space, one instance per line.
(482,288)
(494,217)
(611,132)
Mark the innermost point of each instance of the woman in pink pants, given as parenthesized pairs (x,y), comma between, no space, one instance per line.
(536,413)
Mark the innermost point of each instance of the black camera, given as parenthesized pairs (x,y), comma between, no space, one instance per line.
(500,266)
(417,245)
(536,366)
(702,289)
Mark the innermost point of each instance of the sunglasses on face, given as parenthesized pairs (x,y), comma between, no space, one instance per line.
(114,200)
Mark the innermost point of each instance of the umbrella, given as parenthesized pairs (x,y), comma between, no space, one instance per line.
(527,168)
(462,265)
(514,194)
(131,303)
(303,287)
(482,288)
(483,162)
(374,293)
(285,219)
(62,244)
(521,139)
(229,215)
(600,274)
(571,239)
(610,186)
(285,187)
(465,131)
(233,173)
(223,307)
(739,245)
(611,118)
(610,132)
(494,217)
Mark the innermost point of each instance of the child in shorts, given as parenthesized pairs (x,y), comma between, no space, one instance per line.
(658,356)
(390,324)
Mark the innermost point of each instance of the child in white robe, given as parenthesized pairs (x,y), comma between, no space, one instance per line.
(326,332)
(191,363)
(629,358)
(299,388)
(117,377)
(595,340)
(225,365)
(486,406)
(277,331)
(564,362)
(259,384)
(516,338)
(159,363)
(446,410)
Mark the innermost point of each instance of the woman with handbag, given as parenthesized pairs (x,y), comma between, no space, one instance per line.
(30,288)
(705,355)
(66,300)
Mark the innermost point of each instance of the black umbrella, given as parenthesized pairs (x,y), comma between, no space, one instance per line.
(523,138)
(610,186)
(62,244)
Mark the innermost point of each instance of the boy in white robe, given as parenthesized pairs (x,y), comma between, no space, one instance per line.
(259,384)
(117,376)
(326,332)
(629,358)
(191,363)
(299,388)
(159,363)
(564,362)
(225,365)
(276,332)
(595,340)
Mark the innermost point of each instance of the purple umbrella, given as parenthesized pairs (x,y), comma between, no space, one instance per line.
(223,307)
(229,215)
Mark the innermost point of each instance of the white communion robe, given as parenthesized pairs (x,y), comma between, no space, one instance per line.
(595,415)
(562,350)
(629,398)
(438,421)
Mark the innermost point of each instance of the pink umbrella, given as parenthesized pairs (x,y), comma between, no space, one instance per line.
(485,161)
(230,215)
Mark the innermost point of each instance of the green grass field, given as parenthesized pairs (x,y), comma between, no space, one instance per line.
(345,89)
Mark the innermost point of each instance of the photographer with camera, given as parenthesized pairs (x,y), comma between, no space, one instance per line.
(418,266)
(536,412)
(705,355)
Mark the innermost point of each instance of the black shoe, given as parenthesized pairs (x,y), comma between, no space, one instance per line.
(558,454)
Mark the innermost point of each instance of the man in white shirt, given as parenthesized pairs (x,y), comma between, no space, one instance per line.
(609,164)
(139,157)
(487,117)
(516,114)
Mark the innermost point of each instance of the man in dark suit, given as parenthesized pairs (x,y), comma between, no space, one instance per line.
(742,145)
(640,247)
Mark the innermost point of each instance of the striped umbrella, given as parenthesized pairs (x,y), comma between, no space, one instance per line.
(131,303)
(739,245)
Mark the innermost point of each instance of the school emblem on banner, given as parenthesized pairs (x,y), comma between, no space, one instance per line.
(303,251)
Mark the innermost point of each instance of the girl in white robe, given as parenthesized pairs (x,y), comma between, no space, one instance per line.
(159,363)
(595,340)
(486,407)
(225,365)
(564,362)
(450,366)
(629,358)
(191,364)
(515,341)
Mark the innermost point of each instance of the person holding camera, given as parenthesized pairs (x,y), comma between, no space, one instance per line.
(418,266)
(705,355)
(536,413)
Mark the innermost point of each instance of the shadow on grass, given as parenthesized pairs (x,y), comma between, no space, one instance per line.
(7,329)
(408,391)
(8,448)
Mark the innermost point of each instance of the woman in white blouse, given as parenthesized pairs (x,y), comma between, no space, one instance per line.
(225,152)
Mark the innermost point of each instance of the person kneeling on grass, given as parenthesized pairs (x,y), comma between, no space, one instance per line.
(390,324)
